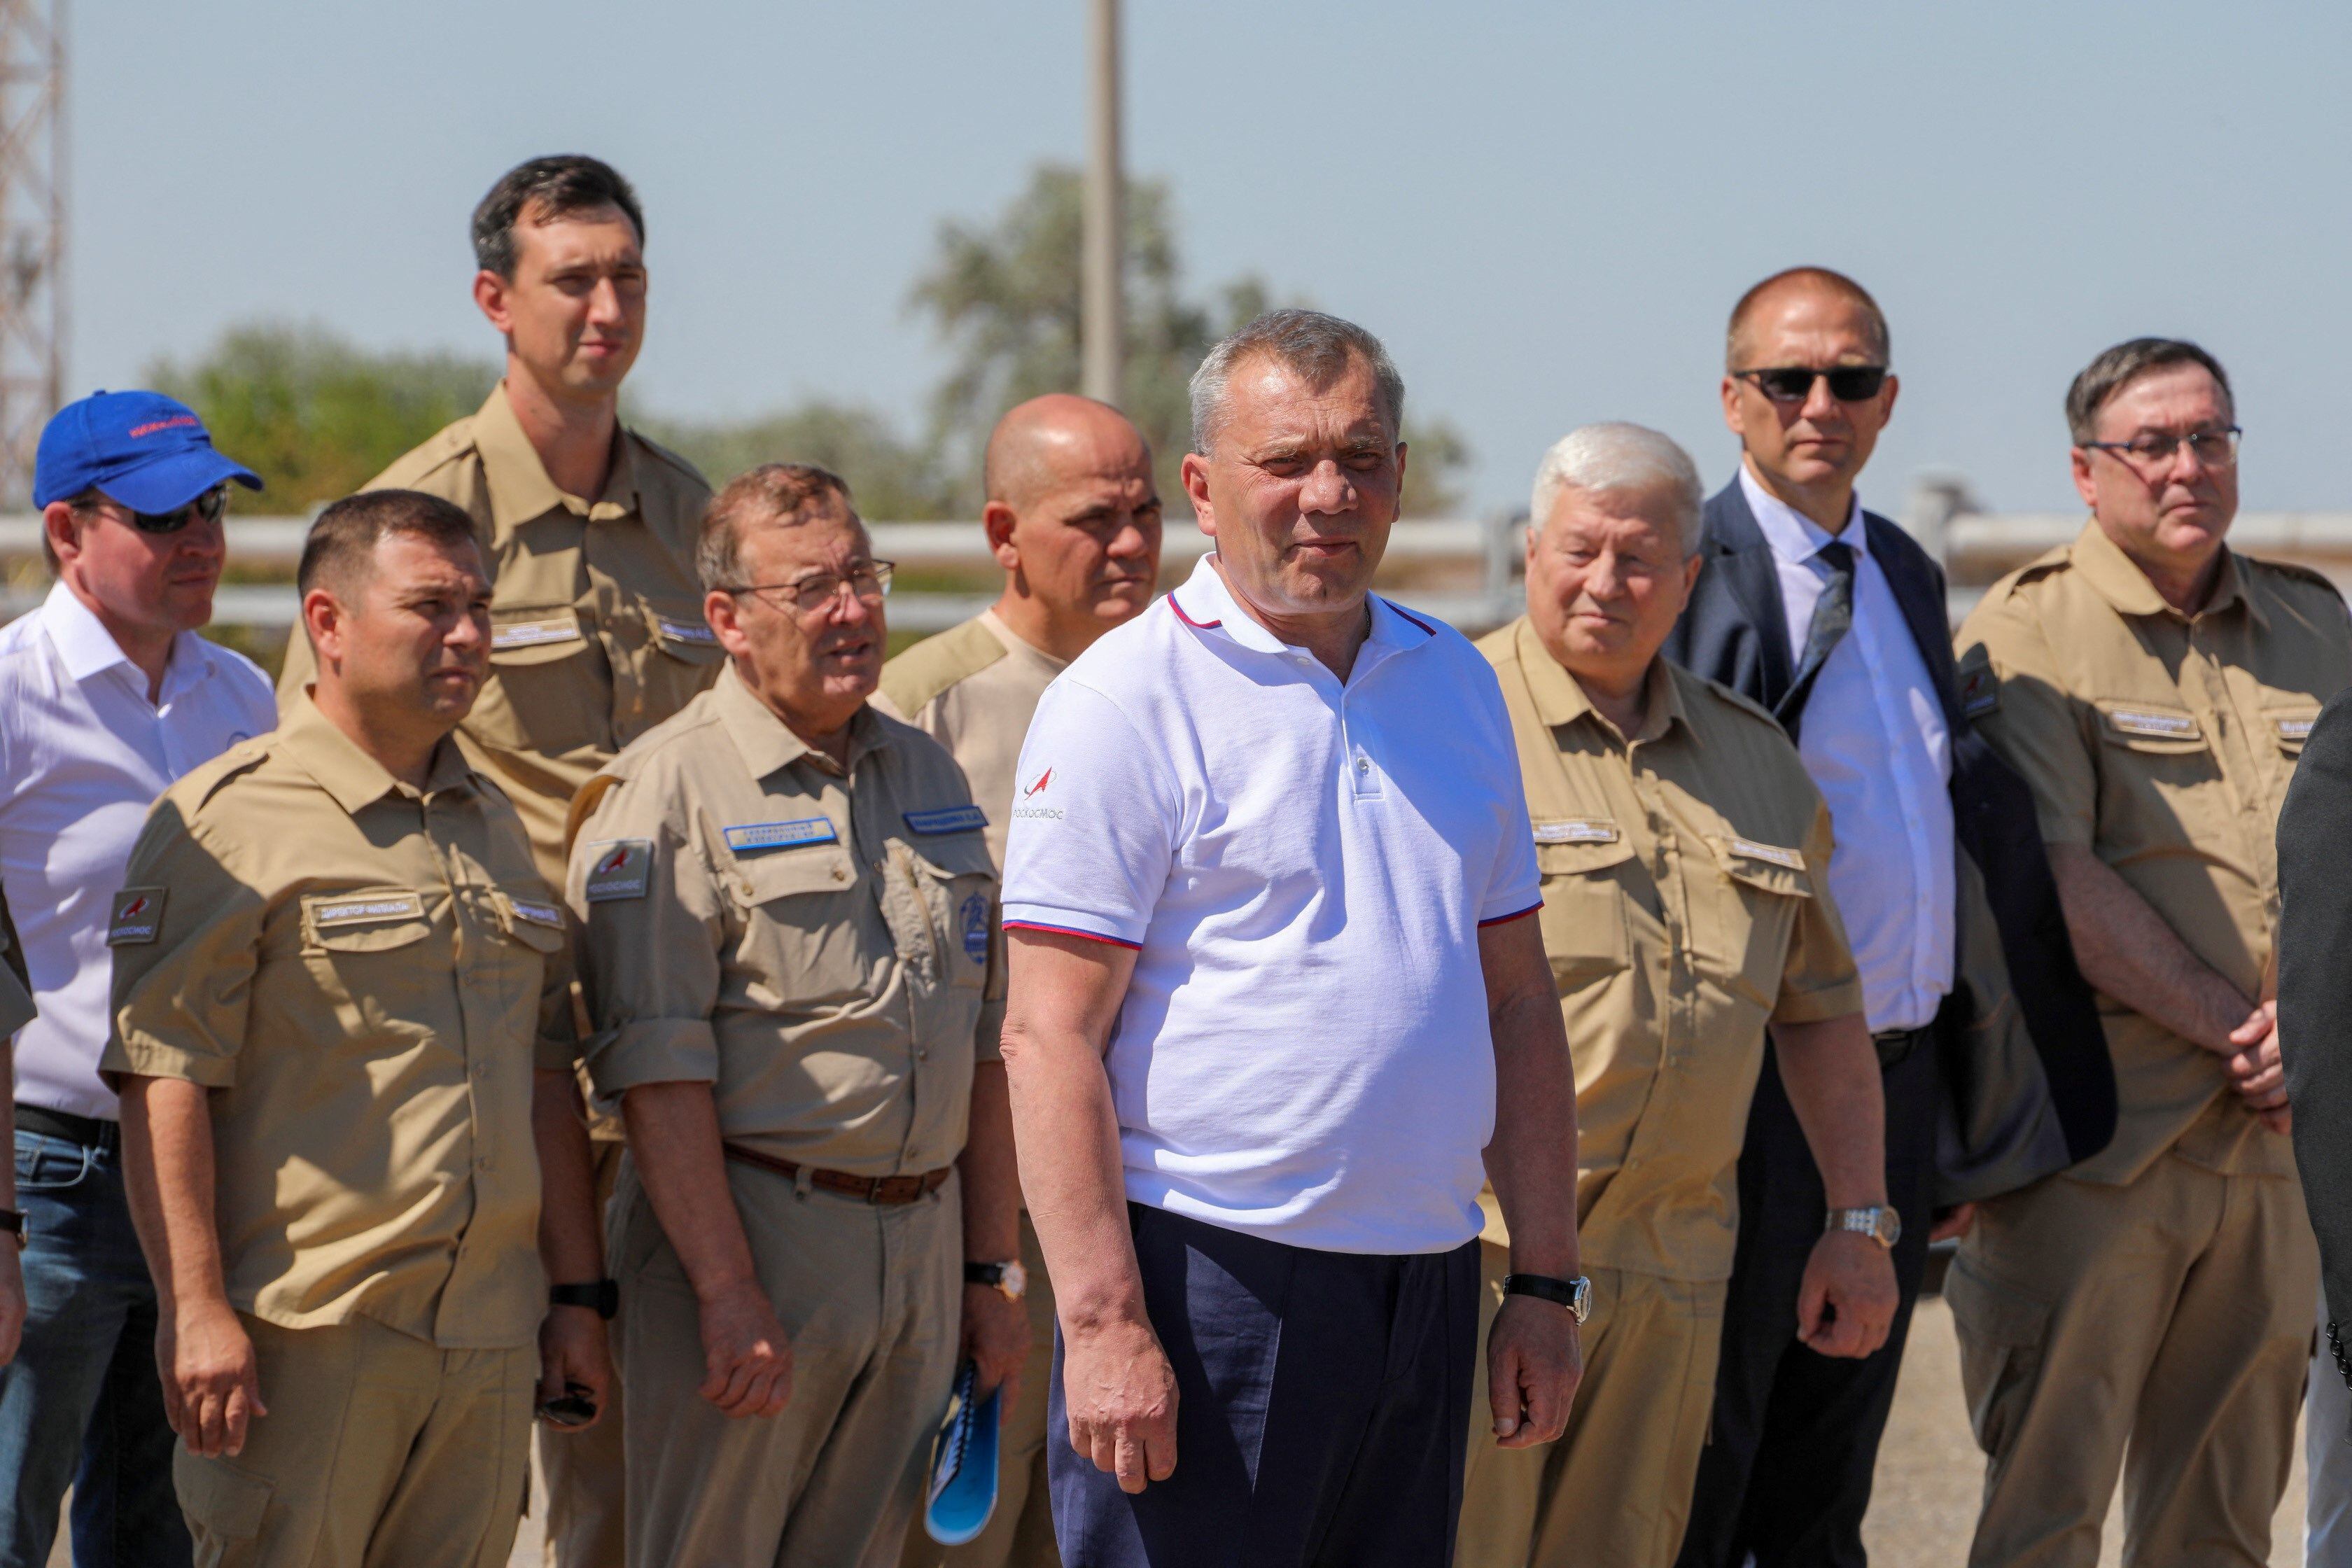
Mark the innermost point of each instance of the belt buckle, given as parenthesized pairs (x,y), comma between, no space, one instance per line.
(874,1188)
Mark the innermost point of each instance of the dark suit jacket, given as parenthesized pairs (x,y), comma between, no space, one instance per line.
(2314,988)
(2029,1090)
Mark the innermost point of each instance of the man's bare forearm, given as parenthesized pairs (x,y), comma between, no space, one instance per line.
(991,1177)
(674,1134)
(570,1238)
(1064,994)
(2128,951)
(168,1174)
(1531,1163)
(1831,1071)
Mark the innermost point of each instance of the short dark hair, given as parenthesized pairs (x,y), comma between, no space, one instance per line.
(1819,277)
(2124,363)
(774,492)
(341,549)
(543,189)
(1320,347)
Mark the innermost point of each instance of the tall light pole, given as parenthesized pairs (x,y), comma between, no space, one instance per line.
(1103,310)
(32,233)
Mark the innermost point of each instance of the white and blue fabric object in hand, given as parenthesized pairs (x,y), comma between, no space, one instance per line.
(963,1465)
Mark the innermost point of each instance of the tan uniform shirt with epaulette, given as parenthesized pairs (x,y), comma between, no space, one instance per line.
(2164,743)
(15,985)
(1685,905)
(974,690)
(596,628)
(365,976)
(819,945)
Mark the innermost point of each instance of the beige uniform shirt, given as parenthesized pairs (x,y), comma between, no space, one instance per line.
(15,993)
(2164,743)
(597,632)
(1685,903)
(363,975)
(820,947)
(974,690)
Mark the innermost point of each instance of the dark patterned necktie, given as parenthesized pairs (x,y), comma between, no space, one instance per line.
(1832,618)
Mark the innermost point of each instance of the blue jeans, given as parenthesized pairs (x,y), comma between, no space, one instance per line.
(80,1403)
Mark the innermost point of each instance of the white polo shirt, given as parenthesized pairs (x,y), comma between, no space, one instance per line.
(1302,867)
(83,754)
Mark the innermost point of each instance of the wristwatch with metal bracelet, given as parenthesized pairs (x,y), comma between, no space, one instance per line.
(1879,1223)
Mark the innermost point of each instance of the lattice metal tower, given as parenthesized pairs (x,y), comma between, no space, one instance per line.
(32,233)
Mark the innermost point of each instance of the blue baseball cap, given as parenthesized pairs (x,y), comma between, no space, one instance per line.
(145,450)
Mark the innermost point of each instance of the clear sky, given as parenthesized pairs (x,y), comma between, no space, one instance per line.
(1546,210)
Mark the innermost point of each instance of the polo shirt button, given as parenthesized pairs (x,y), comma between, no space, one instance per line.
(1363,764)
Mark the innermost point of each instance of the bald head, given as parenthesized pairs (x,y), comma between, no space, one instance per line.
(1074,517)
(1796,288)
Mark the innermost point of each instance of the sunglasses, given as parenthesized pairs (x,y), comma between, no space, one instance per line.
(210,506)
(1794,383)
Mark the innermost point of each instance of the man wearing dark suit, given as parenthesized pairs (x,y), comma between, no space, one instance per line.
(1834,619)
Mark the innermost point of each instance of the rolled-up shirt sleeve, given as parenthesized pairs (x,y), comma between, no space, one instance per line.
(183,962)
(1094,822)
(651,920)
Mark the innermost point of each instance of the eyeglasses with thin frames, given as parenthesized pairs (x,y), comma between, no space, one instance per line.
(2155,450)
(869,582)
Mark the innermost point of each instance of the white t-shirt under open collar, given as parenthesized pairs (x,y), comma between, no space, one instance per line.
(1302,867)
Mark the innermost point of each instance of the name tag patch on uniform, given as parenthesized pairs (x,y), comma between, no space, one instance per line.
(622,869)
(2297,728)
(1770,854)
(367,910)
(948,819)
(508,635)
(697,632)
(536,911)
(1577,830)
(136,918)
(789,834)
(974,919)
(2153,722)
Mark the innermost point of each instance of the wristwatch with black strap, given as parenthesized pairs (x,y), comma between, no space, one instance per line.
(11,1223)
(1576,1294)
(602,1297)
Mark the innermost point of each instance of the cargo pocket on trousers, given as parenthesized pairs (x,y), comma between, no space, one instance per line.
(225,1506)
(2001,1331)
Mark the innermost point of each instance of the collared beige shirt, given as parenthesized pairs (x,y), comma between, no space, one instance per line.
(2164,743)
(362,975)
(820,946)
(1686,904)
(596,633)
(974,690)
(16,994)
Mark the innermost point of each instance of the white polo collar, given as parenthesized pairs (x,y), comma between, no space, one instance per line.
(87,648)
(1793,536)
(1204,603)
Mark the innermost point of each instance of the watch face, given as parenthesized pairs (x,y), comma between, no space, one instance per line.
(1888,1227)
(1014,1281)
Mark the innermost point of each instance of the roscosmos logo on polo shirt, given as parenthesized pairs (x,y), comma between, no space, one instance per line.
(1029,807)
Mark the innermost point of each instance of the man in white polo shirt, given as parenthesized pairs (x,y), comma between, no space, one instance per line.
(107,695)
(1272,996)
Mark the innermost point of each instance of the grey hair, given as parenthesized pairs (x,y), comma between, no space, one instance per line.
(1617,456)
(1315,346)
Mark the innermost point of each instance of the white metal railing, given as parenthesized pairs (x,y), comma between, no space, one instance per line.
(1485,549)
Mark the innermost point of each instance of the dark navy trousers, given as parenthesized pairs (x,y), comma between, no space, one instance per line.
(1323,1408)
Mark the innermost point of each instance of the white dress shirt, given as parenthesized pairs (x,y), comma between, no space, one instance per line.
(83,754)
(1873,737)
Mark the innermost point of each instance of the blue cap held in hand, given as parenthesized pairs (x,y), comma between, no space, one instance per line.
(146,451)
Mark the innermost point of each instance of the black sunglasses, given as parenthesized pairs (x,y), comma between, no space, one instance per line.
(210,506)
(1794,383)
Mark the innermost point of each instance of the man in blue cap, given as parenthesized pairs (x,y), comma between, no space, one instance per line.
(107,695)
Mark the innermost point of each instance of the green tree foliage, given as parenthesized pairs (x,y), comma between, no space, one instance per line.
(893,479)
(1005,297)
(314,415)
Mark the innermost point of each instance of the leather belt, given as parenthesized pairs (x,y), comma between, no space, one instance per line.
(870,1189)
(1895,1045)
(87,1131)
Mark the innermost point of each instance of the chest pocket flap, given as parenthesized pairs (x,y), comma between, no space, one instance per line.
(537,923)
(788,873)
(369,919)
(2150,727)
(1570,846)
(535,634)
(680,631)
(1766,865)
